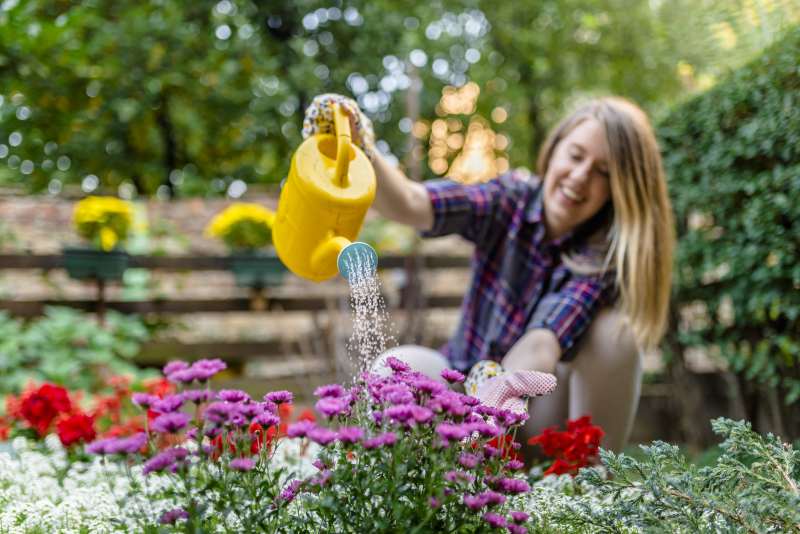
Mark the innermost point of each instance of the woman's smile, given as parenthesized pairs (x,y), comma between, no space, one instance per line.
(576,184)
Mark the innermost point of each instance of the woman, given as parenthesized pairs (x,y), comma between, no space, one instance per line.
(571,273)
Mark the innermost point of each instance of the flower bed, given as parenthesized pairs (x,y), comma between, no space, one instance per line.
(402,452)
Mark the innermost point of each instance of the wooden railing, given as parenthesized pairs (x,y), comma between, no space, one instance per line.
(323,344)
(266,300)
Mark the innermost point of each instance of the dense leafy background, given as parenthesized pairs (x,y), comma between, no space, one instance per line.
(733,155)
(173,97)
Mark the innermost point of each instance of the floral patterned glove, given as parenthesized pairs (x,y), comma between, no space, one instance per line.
(319,119)
(507,390)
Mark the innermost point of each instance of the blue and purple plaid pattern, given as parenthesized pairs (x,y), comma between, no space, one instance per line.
(518,281)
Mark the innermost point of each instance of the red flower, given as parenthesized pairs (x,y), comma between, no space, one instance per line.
(120,383)
(108,406)
(306,415)
(560,467)
(505,444)
(579,423)
(160,387)
(552,441)
(262,438)
(75,428)
(132,426)
(571,449)
(5,428)
(41,406)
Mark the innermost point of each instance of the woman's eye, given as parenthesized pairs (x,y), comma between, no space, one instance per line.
(575,156)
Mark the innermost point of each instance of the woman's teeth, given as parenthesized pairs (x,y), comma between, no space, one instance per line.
(572,195)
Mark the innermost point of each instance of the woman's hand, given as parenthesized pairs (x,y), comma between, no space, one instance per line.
(511,390)
(507,390)
(319,119)
(396,198)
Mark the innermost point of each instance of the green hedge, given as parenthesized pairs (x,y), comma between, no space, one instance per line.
(733,159)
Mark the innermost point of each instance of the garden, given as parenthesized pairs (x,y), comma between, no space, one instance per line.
(177,357)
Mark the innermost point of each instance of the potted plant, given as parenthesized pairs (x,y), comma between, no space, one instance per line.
(104,223)
(246,229)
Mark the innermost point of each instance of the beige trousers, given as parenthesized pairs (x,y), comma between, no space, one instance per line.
(602,380)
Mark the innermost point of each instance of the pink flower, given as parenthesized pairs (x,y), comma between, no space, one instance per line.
(519,517)
(350,434)
(495,520)
(290,491)
(452,376)
(320,435)
(330,390)
(279,397)
(398,366)
(300,429)
(242,464)
(333,406)
(468,460)
(170,517)
(170,422)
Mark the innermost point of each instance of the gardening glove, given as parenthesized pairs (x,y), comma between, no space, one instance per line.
(319,120)
(507,390)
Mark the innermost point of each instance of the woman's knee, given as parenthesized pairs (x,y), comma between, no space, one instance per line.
(608,344)
(422,359)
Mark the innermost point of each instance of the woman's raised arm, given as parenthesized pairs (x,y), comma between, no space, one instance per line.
(400,199)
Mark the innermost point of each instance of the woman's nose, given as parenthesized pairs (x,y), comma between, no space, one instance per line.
(580,173)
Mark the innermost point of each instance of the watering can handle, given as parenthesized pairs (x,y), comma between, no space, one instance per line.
(342,124)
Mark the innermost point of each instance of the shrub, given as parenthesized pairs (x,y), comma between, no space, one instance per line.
(752,487)
(733,158)
(67,347)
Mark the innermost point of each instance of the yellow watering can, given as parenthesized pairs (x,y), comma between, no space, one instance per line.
(322,205)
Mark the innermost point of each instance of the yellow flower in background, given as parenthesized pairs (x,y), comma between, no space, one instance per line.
(243,225)
(103,221)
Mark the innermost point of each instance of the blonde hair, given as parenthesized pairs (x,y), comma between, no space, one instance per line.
(640,237)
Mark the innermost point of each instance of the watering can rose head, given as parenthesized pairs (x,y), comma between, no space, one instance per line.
(103,221)
(243,226)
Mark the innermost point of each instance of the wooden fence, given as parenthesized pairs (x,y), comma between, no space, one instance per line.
(319,301)
(318,356)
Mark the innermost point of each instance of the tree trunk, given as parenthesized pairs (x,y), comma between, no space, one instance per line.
(170,144)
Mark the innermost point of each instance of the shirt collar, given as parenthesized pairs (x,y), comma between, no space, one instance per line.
(534,214)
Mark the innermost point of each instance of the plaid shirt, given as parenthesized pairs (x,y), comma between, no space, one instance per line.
(518,281)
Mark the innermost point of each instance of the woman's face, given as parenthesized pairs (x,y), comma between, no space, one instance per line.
(576,185)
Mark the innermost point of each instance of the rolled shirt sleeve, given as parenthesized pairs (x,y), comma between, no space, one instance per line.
(472,211)
(569,311)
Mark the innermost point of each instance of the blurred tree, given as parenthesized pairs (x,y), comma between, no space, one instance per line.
(165,97)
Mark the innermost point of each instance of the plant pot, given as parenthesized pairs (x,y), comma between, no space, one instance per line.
(257,269)
(84,263)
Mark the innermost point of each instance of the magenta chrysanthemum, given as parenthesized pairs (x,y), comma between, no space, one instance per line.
(242,464)
(452,376)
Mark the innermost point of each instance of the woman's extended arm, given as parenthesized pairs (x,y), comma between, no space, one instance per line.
(400,199)
(397,198)
(537,350)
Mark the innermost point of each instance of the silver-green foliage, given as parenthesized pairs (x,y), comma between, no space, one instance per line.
(752,487)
